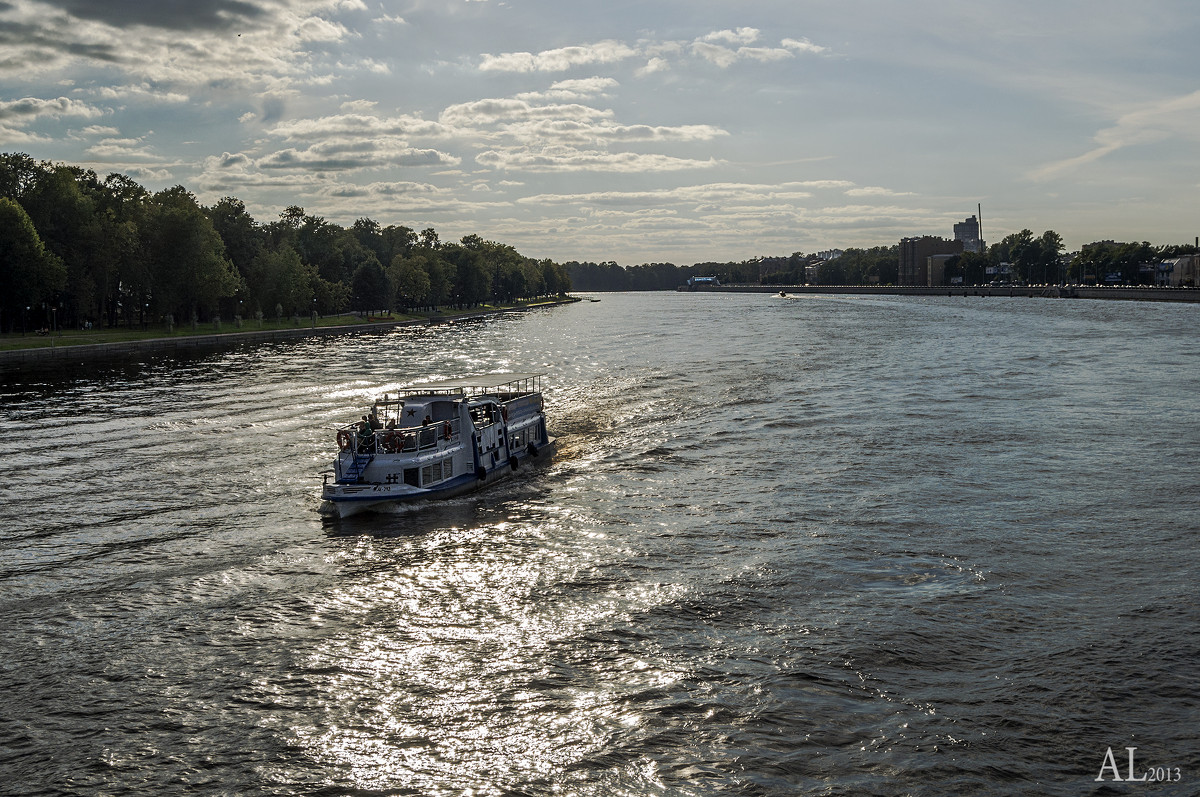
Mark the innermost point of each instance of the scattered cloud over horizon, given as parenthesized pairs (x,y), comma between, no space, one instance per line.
(744,131)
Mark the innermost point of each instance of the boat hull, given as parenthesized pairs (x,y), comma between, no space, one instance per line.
(344,500)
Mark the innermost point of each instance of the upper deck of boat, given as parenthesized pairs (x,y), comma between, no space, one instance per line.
(504,384)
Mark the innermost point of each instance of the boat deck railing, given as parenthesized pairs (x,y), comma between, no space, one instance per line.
(408,440)
(522,405)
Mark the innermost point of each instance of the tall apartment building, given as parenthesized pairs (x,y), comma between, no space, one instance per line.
(968,232)
(915,254)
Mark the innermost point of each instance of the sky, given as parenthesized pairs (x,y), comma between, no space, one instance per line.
(652,131)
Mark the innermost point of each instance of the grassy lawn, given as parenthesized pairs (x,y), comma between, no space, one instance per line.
(75,337)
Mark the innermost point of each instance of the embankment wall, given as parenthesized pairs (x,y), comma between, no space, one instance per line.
(224,340)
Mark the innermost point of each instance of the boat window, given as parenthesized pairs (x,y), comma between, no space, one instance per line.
(436,472)
(484,415)
(410,477)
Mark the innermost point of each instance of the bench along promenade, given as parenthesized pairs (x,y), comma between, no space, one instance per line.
(54,353)
(1130,293)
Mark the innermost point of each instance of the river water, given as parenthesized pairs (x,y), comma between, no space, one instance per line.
(823,545)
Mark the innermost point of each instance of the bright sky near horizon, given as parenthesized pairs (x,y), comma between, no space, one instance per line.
(648,131)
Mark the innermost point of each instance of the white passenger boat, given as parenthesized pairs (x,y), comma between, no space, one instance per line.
(437,440)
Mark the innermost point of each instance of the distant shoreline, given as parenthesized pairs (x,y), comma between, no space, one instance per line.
(222,340)
(1126,293)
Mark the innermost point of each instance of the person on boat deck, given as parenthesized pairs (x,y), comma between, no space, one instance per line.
(391,424)
(366,435)
(373,420)
(428,420)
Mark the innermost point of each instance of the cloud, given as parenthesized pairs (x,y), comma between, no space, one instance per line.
(873,190)
(354,155)
(1176,117)
(655,64)
(178,43)
(723,48)
(118,148)
(99,130)
(708,194)
(140,92)
(357,125)
(723,56)
(559,59)
(804,46)
(170,14)
(30,109)
(482,113)
(551,159)
(576,132)
(228,160)
(382,189)
(572,89)
(739,36)
(715,53)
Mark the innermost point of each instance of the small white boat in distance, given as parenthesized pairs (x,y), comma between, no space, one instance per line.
(437,440)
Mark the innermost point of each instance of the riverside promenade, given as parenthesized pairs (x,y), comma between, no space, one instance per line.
(1127,293)
(180,344)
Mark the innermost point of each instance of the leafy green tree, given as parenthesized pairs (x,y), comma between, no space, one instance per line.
(370,236)
(331,297)
(471,283)
(554,278)
(320,243)
(277,278)
(187,257)
(241,235)
(972,267)
(31,275)
(18,172)
(409,283)
(62,213)
(831,272)
(120,262)
(397,240)
(126,253)
(441,283)
(369,288)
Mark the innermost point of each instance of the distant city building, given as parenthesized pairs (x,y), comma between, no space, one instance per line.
(968,232)
(1177,271)
(830,254)
(936,270)
(915,254)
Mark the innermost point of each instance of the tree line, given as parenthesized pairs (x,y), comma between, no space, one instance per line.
(1021,256)
(76,249)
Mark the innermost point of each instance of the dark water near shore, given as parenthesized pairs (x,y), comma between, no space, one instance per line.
(813,546)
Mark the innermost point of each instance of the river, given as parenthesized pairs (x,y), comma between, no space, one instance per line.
(820,545)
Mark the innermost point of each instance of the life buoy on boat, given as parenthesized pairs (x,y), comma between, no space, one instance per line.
(343,440)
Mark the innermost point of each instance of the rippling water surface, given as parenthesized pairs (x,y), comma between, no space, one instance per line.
(824,545)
